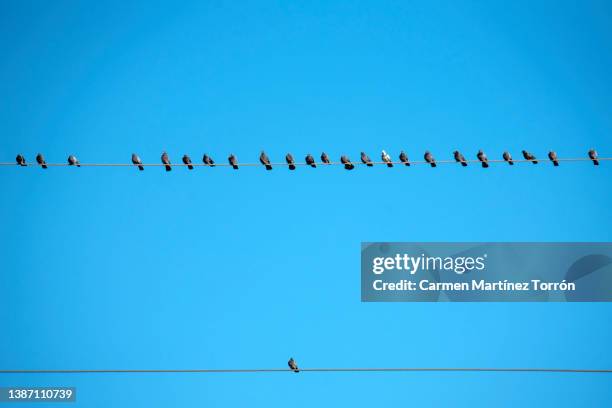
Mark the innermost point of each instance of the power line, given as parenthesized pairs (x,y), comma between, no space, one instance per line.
(320,370)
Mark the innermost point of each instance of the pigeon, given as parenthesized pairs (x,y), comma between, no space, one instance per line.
(293,365)
(310,161)
(187,161)
(325,158)
(233,161)
(553,158)
(404,158)
(208,160)
(166,160)
(366,160)
(386,158)
(20,160)
(137,162)
(290,161)
(347,163)
(483,158)
(592,156)
(508,158)
(529,156)
(263,158)
(41,160)
(430,159)
(460,158)
(72,161)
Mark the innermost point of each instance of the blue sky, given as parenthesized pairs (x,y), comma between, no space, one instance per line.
(115,268)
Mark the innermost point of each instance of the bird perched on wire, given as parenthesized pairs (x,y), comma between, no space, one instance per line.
(290,161)
(484,160)
(508,158)
(187,161)
(347,163)
(325,158)
(365,159)
(460,158)
(530,157)
(41,160)
(265,160)
(233,161)
(592,156)
(73,161)
(553,158)
(208,160)
(430,159)
(310,161)
(293,365)
(20,160)
(404,158)
(166,160)
(386,158)
(137,162)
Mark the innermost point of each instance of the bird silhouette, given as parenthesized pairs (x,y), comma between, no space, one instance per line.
(310,161)
(484,160)
(365,159)
(187,161)
(290,161)
(430,159)
(166,160)
(325,158)
(73,161)
(41,160)
(233,161)
(293,365)
(21,160)
(208,160)
(347,163)
(592,156)
(553,158)
(386,158)
(137,162)
(404,158)
(460,158)
(530,157)
(508,157)
(265,160)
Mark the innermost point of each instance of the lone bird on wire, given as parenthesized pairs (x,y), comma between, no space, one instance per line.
(508,158)
(73,161)
(166,160)
(290,161)
(404,158)
(386,158)
(592,156)
(347,163)
(233,161)
(187,161)
(460,158)
(310,161)
(20,160)
(325,158)
(365,159)
(483,158)
(430,159)
(530,157)
(265,160)
(553,158)
(293,365)
(41,160)
(208,160)
(137,162)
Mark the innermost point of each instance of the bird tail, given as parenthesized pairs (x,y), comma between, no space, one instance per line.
(596,162)
(78,164)
(389,164)
(268,167)
(349,166)
(313,165)
(407,164)
(141,168)
(297,370)
(556,163)
(168,167)
(190,167)
(235,167)
(485,164)
(44,166)
(369,164)
(291,167)
(510,162)
(433,164)
(464,164)
(534,161)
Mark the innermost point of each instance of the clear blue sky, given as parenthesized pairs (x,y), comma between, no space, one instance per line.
(115,268)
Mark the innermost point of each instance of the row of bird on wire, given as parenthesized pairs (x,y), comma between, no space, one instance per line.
(325,160)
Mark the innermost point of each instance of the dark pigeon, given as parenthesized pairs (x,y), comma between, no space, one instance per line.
(208,160)
(73,161)
(41,160)
(290,161)
(404,158)
(293,365)
(187,161)
(347,163)
(530,157)
(20,160)
(166,160)
(460,158)
(430,159)
(265,160)
(508,158)
(365,159)
(310,161)
(386,158)
(325,158)
(233,161)
(484,160)
(553,158)
(592,156)
(136,160)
